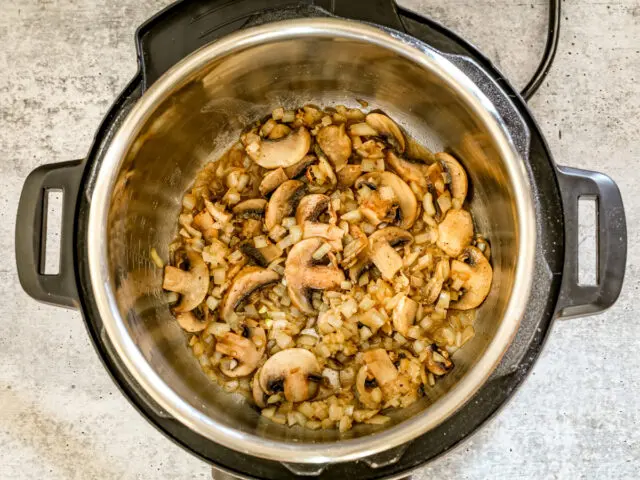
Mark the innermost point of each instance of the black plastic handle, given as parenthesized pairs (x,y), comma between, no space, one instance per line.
(580,300)
(31,233)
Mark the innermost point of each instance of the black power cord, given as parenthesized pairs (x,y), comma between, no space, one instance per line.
(550,48)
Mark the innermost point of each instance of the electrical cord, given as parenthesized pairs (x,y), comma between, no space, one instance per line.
(550,48)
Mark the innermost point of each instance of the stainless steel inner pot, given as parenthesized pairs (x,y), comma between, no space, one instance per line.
(193,114)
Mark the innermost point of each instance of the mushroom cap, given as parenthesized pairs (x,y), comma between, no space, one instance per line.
(190,323)
(272,180)
(475,271)
(303,275)
(403,193)
(299,169)
(409,171)
(348,175)
(253,208)
(335,143)
(455,232)
(246,282)
(288,371)
(388,129)
(380,365)
(283,202)
(244,350)
(404,314)
(311,207)
(459,182)
(192,285)
(258,394)
(394,236)
(261,256)
(283,152)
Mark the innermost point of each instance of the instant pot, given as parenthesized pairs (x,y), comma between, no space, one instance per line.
(209,68)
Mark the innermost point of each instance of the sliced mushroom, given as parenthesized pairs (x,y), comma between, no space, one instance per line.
(458,177)
(244,351)
(262,256)
(284,202)
(336,144)
(245,283)
(280,153)
(279,131)
(258,394)
(300,168)
(408,212)
(192,285)
(455,232)
(366,388)
(205,223)
(272,180)
(348,175)
(404,314)
(382,245)
(419,152)
(303,275)
(476,274)
(190,322)
(294,372)
(440,365)
(312,206)
(380,365)
(410,172)
(388,129)
(253,208)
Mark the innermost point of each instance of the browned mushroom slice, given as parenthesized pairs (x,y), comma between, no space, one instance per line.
(312,206)
(458,183)
(303,275)
(336,144)
(280,153)
(253,208)
(404,314)
(192,285)
(382,245)
(476,274)
(388,129)
(244,355)
(436,361)
(348,175)
(294,372)
(279,131)
(272,180)
(261,256)
(245,283)
(408,211)
(300,168)
(190,322)
(258,394)
(204,222)
(380,365)
(455,232)
(410,172)
(284,202)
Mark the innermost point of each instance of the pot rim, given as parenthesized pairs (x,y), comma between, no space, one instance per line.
(343,450)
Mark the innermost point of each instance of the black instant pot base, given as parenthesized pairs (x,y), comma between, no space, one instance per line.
(550,245)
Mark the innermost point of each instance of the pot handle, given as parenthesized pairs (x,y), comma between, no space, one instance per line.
(31,233)
(611,231)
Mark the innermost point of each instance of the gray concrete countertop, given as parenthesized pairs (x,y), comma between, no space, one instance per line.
(577,416)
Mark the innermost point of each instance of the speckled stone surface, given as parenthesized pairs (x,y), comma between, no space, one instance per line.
(62,62)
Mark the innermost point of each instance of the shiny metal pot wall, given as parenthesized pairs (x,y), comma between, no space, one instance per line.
(193,114)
